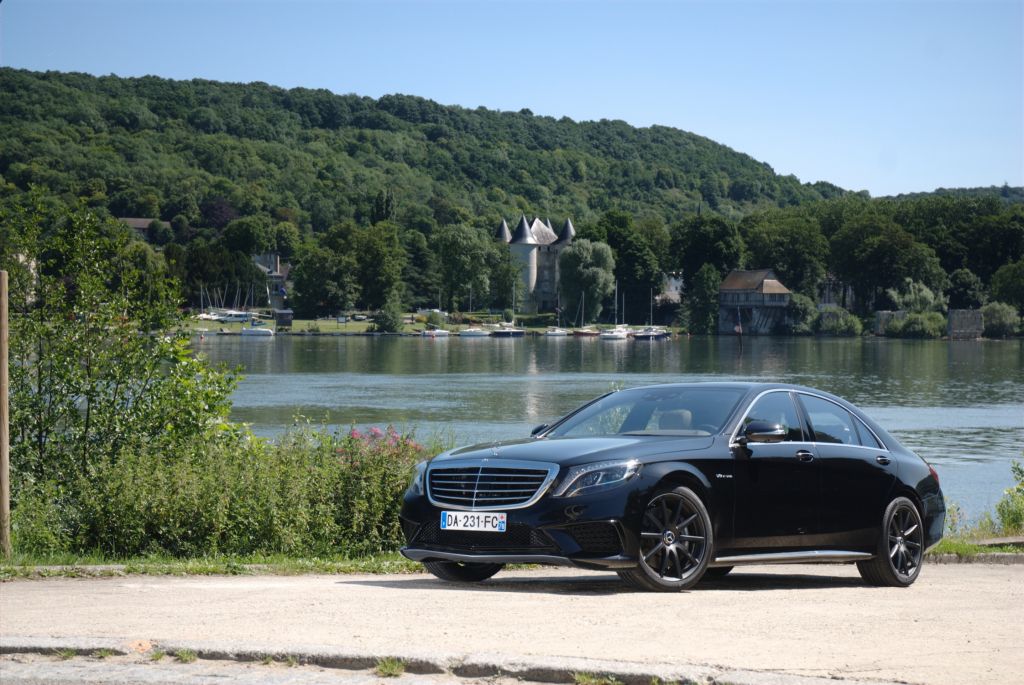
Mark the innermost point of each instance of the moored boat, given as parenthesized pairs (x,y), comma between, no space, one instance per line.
(651,333)
(556,332)
(620,332)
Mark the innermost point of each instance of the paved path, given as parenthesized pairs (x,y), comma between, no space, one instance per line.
(958,624)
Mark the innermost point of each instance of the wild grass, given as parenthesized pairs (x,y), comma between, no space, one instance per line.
(594,679)
(389,667)
(185,656)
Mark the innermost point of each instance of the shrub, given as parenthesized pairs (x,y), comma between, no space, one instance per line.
(1010,508)
(801,314)
(1000,319)
(918,325)
(838,322)
(435,319)
(308,493)
(390,318)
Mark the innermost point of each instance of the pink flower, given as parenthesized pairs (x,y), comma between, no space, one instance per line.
(354,433)
(376,432)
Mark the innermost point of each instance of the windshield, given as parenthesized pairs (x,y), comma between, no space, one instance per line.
(667,410)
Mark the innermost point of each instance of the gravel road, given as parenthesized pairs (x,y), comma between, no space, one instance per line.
(958,624)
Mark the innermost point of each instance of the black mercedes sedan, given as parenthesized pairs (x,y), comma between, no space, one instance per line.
(668,484)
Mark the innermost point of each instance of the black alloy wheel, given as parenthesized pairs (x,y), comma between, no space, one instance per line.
(675,543)
(900,552)
(462,572)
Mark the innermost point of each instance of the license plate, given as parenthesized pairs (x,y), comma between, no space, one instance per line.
(490,521)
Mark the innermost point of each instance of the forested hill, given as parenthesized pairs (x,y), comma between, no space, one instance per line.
(209,151)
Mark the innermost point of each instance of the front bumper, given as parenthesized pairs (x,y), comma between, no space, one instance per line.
(588,532)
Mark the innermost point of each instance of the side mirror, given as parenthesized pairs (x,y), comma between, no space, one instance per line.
(538,429)
(763,431)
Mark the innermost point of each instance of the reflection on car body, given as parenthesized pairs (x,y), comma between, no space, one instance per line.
(671,483)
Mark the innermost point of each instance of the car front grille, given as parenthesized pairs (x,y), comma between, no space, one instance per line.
(484,486)
(516,537)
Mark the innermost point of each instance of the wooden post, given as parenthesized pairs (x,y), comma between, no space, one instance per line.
(5,432)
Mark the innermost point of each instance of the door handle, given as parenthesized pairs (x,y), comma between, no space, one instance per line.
(884,461)
(804,456)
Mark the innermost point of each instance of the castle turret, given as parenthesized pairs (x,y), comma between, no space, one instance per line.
(567,234)
(524,248)
(503,234)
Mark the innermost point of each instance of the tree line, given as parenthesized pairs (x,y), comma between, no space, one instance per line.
(394,201)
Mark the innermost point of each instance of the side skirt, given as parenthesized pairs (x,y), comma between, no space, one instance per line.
(807,557)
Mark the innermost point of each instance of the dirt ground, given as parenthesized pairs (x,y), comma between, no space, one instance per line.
(958,624)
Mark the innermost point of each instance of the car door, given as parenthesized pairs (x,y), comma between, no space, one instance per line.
(776,484)
(857,474)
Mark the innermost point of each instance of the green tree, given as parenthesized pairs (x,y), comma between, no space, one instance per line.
(872,253)
(462,260)
(702,300)
(97,371)
(390,318)
(1008,284)
(380,259)
(1000,320)
(705,240)
(965,290)
(324,282)
(420,274)
(586,275)
(250,235)
(790,244)
(916,298)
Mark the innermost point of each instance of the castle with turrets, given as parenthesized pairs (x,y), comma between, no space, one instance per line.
(536,248)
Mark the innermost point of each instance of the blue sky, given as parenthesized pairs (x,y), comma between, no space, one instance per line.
(896,96)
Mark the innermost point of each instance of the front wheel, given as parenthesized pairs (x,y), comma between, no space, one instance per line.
(460,572)
(900,550)
(675,543)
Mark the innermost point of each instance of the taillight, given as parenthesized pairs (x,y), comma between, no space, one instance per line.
(935,475)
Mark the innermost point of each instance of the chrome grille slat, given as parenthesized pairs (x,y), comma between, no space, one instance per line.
(487,484)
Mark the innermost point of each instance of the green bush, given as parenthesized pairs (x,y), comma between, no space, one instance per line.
(1001,320)
(838,322)
(390,318)
(308,493)
(801,315)
(435,319)
(918,325)
(1010,508)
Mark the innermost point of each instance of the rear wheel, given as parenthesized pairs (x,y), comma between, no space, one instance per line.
(675,543)
(462,572)
(900,551)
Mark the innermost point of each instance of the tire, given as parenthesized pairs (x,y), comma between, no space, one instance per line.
(716,572)
(900,551)
(675,543)
(459,572)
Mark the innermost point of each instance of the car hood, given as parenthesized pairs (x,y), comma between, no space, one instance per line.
(571,451)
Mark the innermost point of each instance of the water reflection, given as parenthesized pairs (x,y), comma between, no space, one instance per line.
(959,404)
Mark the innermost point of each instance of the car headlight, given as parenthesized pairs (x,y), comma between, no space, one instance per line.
(590,478)
(417,482)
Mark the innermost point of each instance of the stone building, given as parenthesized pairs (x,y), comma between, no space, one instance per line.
(752,302)
(536,247)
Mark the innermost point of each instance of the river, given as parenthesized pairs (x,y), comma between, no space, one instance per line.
(958,404)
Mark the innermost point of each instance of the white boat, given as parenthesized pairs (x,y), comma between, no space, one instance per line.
(586,332)
(474,332)
(233,316)
(258,332)
(556,332)
(620,332)
(435,333)
(651,333)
